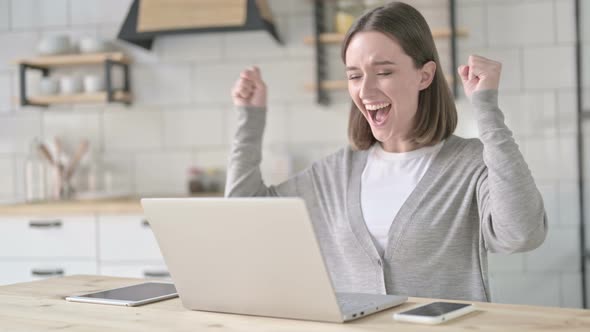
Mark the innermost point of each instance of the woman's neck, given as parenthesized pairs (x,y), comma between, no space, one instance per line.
(400,146)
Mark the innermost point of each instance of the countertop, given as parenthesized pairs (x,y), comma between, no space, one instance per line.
(40,306)
(122,205)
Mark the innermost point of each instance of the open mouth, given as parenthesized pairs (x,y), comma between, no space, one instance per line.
(378,113)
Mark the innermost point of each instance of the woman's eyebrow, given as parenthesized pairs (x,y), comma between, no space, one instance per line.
(374,63)
(380,63)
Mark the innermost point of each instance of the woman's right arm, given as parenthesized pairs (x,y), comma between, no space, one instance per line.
(244,178)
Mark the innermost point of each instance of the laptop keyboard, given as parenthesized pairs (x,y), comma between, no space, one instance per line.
(352,302)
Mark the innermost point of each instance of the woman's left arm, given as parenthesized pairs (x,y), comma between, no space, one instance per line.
(512,214)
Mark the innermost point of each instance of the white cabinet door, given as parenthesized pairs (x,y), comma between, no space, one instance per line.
(30,270)
(71,237)
(156,270)
(126,238)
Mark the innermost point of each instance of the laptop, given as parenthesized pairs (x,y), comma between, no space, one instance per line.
(251,256)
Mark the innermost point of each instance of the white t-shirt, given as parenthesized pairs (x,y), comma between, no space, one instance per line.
(387,181)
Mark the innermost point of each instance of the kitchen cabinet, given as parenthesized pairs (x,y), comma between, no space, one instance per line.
(135,270)
(116,244)
(33,248)
(128,248)
(13,271)
(48,237)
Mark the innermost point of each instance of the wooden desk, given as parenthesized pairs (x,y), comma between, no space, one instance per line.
(40,306)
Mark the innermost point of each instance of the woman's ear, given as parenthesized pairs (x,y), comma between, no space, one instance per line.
(427,74)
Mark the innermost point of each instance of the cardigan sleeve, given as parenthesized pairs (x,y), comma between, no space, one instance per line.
(511,210)
(244,178)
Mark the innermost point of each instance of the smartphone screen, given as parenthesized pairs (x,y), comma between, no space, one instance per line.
(435,309)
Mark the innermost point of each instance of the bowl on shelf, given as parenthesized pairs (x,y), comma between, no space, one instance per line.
(93,83)
(92,45)
(70,85)
(55,44)
(48,86)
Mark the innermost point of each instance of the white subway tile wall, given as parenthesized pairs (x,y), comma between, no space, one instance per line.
(7,187)
(17,132)
(27,14)
(194,128)
(569,203)
(522,23)
(566,32)
(5,93)
(162,172)
(97,11)
(299,26)
(132,130)
(72,126)
(558,64)
(540,109)
(567,116)
(191,47)
(472,16)
(182,114)
(4,15)
(526,288)
(17,44)
(571,284)
(162,84)
(559,253)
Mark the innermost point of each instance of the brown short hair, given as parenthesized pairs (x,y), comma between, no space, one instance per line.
(436,118)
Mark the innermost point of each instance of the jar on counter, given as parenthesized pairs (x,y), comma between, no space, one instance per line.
(215,180)
(347,12)
(35,174)
(196,180)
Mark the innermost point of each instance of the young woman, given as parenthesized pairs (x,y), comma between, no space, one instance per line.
(408,208)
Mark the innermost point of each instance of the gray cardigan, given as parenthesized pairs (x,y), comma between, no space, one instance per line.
(477,196)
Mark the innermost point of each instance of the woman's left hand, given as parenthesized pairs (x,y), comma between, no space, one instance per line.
(480,74)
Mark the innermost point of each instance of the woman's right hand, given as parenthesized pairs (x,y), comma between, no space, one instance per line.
(249,89)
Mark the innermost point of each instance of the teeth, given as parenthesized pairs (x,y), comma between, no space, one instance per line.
(375,107)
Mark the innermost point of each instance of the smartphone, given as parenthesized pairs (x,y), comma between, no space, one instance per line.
(434,313)
(130,296)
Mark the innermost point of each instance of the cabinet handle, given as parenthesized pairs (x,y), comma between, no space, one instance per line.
(156,274)
(47,272)
(145,223)
(45,223)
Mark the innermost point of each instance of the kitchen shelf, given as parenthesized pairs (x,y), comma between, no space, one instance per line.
(98,97)
(45,63)
(335,38)
(74,59)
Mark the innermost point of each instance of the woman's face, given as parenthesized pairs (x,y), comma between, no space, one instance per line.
(384,84)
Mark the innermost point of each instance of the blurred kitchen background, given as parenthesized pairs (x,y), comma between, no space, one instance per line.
(176,131)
